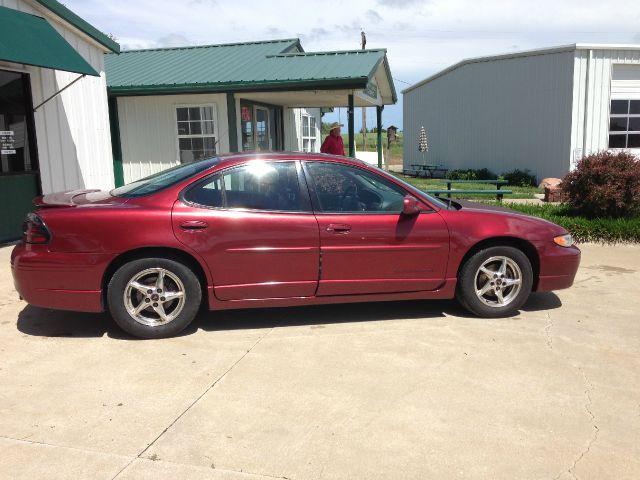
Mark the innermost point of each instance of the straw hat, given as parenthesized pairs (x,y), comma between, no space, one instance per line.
(335,125)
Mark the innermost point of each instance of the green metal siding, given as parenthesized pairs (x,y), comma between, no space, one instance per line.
(16,195)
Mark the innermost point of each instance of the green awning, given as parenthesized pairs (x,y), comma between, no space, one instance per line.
(31,40)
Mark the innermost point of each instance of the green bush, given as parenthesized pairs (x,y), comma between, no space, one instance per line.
(521,178)
(605,184)
(471,174)
(583,229)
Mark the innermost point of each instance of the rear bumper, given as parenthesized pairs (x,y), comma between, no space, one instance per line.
(65,281)
(558,267)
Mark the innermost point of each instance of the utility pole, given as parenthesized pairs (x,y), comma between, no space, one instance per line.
(363,39)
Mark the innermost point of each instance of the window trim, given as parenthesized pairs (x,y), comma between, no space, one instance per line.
(305,200)
(622,133)
(304,137)
(214,116)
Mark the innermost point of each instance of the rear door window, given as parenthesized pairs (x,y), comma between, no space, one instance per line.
(265,186)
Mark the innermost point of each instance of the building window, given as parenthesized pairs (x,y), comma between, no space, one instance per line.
(196,128)
(624,124)
(309,133)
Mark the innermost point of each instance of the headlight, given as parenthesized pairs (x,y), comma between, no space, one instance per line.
(564,240)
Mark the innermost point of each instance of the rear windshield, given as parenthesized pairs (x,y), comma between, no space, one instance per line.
(163,179)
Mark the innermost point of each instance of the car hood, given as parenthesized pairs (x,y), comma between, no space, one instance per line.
(74,198)
(515,216)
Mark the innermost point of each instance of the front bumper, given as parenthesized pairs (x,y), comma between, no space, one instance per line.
(65,281)
(558,267)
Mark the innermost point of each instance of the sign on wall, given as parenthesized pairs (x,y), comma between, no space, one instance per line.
(7,142)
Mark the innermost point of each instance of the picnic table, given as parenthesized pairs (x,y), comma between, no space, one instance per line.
(428,169)
(497,192)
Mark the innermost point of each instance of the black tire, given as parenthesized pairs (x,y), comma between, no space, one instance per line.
(466,289)
(184,315)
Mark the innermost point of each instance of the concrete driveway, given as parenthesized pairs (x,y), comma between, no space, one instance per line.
(409,390)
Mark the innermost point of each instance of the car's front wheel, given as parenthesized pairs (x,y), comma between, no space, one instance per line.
(154,297)
(495,282)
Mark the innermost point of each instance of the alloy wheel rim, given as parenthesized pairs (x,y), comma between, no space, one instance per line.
(498,281)
(154,297)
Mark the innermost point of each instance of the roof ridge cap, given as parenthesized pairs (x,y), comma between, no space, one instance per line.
(213,45)
(328,52)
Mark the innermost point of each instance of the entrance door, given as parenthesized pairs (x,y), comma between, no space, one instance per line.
(260,127)
(18,159)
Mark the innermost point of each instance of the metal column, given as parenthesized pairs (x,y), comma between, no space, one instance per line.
(379,131)
(352,137)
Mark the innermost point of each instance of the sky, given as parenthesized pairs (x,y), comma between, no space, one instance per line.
(422,37)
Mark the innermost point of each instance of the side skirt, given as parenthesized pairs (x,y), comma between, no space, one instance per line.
(447,291)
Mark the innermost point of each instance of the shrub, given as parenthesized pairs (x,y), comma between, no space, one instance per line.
(471,174)
(605,184)
(520,178)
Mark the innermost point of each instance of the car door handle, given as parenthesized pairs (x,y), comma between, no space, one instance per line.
(338,228)
(193,225)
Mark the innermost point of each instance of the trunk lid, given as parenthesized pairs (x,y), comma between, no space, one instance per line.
(75,198)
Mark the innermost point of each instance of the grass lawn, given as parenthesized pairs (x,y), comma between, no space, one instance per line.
(437,184)
(395,151)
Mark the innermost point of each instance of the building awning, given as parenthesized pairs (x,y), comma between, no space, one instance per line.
(31,40)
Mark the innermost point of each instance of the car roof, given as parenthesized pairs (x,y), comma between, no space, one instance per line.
(234,158)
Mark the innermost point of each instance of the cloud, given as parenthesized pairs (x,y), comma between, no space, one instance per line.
(373,16)
(173,40)
(275,32)
(401,3)
(316,34)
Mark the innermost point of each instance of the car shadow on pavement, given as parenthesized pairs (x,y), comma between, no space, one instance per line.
(56,323)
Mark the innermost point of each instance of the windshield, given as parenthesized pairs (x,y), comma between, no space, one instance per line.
(435,201)
(163,179)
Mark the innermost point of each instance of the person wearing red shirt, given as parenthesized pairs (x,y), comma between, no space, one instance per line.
(333,143)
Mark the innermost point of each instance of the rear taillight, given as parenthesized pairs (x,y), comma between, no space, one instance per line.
(34,230)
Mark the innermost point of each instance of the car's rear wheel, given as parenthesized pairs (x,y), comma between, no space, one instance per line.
(154,297)
(495,282)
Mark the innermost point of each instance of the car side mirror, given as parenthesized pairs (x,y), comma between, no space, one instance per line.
(410,205)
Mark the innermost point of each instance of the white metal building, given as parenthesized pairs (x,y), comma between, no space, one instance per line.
(54,119)
(540,109)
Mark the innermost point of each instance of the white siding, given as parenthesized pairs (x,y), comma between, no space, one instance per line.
(293,127)
(148,130)
(592,94)
(72,130)
(500,114)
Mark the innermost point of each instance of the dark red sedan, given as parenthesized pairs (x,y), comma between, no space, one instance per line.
(278,229)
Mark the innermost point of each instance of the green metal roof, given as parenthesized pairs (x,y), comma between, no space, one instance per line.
(268,65)
(73,19)
(31,40)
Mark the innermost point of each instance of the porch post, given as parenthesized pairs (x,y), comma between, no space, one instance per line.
(379,131)
(352,138)
(116,145)
(231,122)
